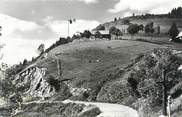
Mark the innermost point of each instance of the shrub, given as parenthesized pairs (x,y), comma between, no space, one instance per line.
(100,27)
(126,21)
(149,28)
(6,88)
(86,34)
(115,31)
(133,29)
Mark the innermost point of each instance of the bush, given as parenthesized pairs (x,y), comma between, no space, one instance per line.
(149,28)
(61,41)
(133,29)
(114,92)
(115,31)
(100,27)
(6,88)
(86,34)
(126,21)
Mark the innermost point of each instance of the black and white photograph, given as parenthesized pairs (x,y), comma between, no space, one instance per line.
(90,58)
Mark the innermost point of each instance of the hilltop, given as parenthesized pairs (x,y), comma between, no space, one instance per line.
(164,21)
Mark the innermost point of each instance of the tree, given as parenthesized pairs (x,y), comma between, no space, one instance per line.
(6,88)
(158,29)
(75,36)
(100,27)
(176,13)
(141,27)
(133,14)
(33,59)
(149,28)
(173,31)
(115,31)
(25,62)
(97,34)
(126,21)
(115,19)
(133,29)
(86,34)
(40,49)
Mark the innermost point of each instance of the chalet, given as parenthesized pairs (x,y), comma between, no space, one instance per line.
(179,36)
(101,34)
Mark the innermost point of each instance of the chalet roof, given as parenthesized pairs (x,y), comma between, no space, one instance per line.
(180,34)
(102,32)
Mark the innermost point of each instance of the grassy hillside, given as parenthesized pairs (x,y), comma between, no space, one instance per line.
(91,64)
(115,71)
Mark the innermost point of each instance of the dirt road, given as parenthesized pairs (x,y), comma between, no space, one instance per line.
(110,110)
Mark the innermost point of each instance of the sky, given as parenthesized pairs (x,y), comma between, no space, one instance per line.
(28,23)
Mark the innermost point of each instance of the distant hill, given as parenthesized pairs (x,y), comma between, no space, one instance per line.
(163,20)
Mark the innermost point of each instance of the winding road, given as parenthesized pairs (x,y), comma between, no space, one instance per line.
(110,110)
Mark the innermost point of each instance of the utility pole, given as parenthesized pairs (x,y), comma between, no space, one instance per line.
(59,67)
(164,87)
(58,62)
(68,28)
(70,21)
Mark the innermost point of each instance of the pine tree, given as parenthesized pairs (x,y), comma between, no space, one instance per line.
(173,31)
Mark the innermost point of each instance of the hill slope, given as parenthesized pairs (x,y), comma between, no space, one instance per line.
(163,22)
(116,71)
(90,65)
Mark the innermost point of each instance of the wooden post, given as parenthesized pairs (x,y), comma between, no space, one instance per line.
(164,93)
(164,87)
(169,106)
(59,67)
(59,71)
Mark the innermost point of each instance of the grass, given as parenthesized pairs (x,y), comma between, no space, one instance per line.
(92,64)
(97,65)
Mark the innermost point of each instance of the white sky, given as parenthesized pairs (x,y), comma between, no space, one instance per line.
(19,47)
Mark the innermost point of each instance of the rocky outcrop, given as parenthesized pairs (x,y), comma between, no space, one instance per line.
(32,81)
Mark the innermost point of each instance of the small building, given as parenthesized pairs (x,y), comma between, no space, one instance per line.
(179,36)
(101,34)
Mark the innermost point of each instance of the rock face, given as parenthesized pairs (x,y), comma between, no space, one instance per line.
(32,82)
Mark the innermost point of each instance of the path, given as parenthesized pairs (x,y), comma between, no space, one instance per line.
(110,110)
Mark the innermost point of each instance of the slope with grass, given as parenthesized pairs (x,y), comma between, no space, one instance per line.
(103,71)
(90,65)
